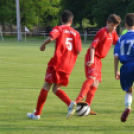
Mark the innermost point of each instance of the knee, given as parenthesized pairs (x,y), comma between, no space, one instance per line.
(46,86)
(130,90)
(54,90)
(95,84)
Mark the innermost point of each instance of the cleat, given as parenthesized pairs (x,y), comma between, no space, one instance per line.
(32,116)
(125,114)
(92,113)
(71,109)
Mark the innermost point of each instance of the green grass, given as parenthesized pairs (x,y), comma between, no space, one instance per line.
(22,71)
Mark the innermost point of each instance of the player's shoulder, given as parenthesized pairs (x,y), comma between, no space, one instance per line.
(124,36)
(102,32)
(57,27)
(63,27)
(121,38)
(72,29)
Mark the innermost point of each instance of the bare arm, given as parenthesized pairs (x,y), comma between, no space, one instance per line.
(47,41)
(116,63)
(92,51)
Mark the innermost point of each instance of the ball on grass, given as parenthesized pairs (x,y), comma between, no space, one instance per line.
(82,109)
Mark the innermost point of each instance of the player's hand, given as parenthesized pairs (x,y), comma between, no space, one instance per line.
(117,75)
(89,63)
(42,47)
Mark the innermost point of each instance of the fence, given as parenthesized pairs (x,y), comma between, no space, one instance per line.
(35,36)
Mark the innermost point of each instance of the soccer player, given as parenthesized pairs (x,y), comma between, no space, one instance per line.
(68,46)
(124,52)
(99,48)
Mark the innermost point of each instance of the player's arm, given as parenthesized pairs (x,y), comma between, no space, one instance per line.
(47,41)
(116,63)
(52,36)
(99,37)
(92,51)
(79,44)
(116,59)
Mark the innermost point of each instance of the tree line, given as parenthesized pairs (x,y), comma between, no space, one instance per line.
(48,12)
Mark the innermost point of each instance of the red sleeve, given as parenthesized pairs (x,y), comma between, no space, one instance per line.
(115,38)
(79,44)
(99,37)
(54,33)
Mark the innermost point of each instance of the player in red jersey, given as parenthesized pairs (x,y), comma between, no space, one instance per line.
(99,48)
(68,46)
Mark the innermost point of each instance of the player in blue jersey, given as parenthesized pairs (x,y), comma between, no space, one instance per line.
(124,52)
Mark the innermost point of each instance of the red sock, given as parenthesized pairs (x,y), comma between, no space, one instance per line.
(63,96)
(41,100)
(90,95)
(85,88)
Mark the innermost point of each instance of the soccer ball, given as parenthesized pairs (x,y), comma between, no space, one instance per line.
(82,109)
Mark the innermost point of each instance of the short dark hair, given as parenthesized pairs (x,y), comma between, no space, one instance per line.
(113,18)
(67,16)
(129,19)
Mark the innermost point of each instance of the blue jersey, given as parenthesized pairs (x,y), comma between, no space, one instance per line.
(124,47)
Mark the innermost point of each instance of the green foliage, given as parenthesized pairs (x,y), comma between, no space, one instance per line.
(130,8)
(48,12)
(104,8)
(28,13)
(32,12)
(39,12)
(7,11)
(81,9)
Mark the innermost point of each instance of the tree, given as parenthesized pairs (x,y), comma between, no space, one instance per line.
(39,12)
(104,8)
(7,13)
(81,9)
(51,14)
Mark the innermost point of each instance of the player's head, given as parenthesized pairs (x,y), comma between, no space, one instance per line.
(112,22)
(67,17)
(129,20)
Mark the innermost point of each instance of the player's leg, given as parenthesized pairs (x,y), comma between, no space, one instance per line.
(93,74)
(61,79)
(43,94)
(40,102)
(128,102)
(64,97)
(85,88)
(61,94)
(126,81)
(91,94)
(90,74)
(93,88)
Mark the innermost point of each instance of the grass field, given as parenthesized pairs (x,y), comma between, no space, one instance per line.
(22,71)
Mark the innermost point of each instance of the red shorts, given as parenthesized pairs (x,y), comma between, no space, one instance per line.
(95,69)
(52,76)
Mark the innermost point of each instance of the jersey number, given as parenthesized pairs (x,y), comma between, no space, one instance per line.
(69,43)
(122,48)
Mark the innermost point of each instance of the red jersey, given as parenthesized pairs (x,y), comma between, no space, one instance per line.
(68,43)
(103,41)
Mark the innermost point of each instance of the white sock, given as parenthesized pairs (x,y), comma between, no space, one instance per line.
(128,100)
